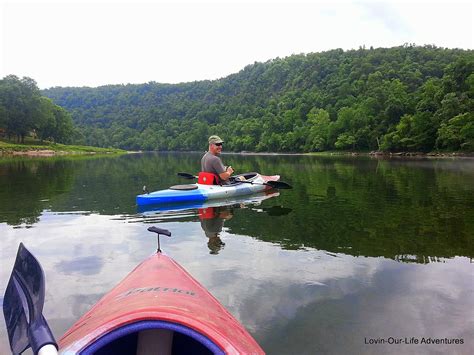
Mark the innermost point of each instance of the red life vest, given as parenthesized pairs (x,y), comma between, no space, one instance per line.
(208,178)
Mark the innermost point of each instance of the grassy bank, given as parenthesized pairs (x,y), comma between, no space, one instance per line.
(35,147)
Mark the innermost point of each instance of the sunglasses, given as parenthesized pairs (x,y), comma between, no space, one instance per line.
(218,144)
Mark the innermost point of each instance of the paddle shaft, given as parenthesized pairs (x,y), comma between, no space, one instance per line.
(187,176)
(272,184)
(48,350)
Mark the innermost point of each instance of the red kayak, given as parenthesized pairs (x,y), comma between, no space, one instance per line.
(159,294)
(158,308)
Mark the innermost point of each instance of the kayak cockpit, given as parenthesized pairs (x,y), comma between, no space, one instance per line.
(152,337)
(236,179)
(247,176)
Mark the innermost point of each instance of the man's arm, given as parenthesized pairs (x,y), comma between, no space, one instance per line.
(226,174)
(223,172)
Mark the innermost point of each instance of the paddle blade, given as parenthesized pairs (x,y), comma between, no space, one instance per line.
(277,211)
(23,305)
(279,185)
(15,318)
(187,176)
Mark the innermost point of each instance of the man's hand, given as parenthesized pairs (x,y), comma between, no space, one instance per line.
(227,173)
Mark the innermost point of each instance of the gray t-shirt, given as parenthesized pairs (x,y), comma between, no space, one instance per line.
(211,163)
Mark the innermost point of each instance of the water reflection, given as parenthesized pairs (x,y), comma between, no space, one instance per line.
(26,187)
(88,265)
(212,222)
(359,248)
(211,214)
(283,297)
(410,211)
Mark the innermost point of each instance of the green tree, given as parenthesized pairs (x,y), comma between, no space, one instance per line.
(64,128)
(457,133)
(345,140)
(351,127)
(20,99)
(319,124)
(23,111)
(414,133)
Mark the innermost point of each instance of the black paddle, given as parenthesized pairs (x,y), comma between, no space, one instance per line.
(187,176)
(273,184)
(23,306)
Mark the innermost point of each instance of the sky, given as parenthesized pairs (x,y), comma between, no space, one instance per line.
(94,43)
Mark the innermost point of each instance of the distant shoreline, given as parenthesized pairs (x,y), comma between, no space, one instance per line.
(63,150)
(40,149)
(52,153)
(335,153)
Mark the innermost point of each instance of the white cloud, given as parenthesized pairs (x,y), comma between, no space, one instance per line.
(96,43)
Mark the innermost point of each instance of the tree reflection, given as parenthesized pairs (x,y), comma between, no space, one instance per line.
(406,210)
(27,187)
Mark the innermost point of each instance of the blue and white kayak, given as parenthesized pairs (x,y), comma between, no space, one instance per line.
(253,183)
(184,207)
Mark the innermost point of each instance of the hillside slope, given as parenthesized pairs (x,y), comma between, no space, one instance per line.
(401,98)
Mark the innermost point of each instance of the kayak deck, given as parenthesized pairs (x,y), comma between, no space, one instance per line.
(158,295)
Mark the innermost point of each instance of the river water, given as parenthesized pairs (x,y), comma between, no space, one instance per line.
(363,255)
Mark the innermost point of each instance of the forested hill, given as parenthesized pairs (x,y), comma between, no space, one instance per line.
(403,98)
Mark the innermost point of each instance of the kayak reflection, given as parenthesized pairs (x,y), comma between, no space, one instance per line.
(255,199)
(212,222)
(213,214)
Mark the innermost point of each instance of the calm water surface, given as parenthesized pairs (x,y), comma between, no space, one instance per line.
(361,250)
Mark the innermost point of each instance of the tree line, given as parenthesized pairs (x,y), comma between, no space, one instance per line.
(406,98)
(25,111)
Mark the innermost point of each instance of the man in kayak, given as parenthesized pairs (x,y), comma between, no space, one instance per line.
(212,163)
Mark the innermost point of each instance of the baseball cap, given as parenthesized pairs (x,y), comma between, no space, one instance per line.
(215,139)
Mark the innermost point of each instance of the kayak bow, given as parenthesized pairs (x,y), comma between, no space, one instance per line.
(157,308)
(159,297)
